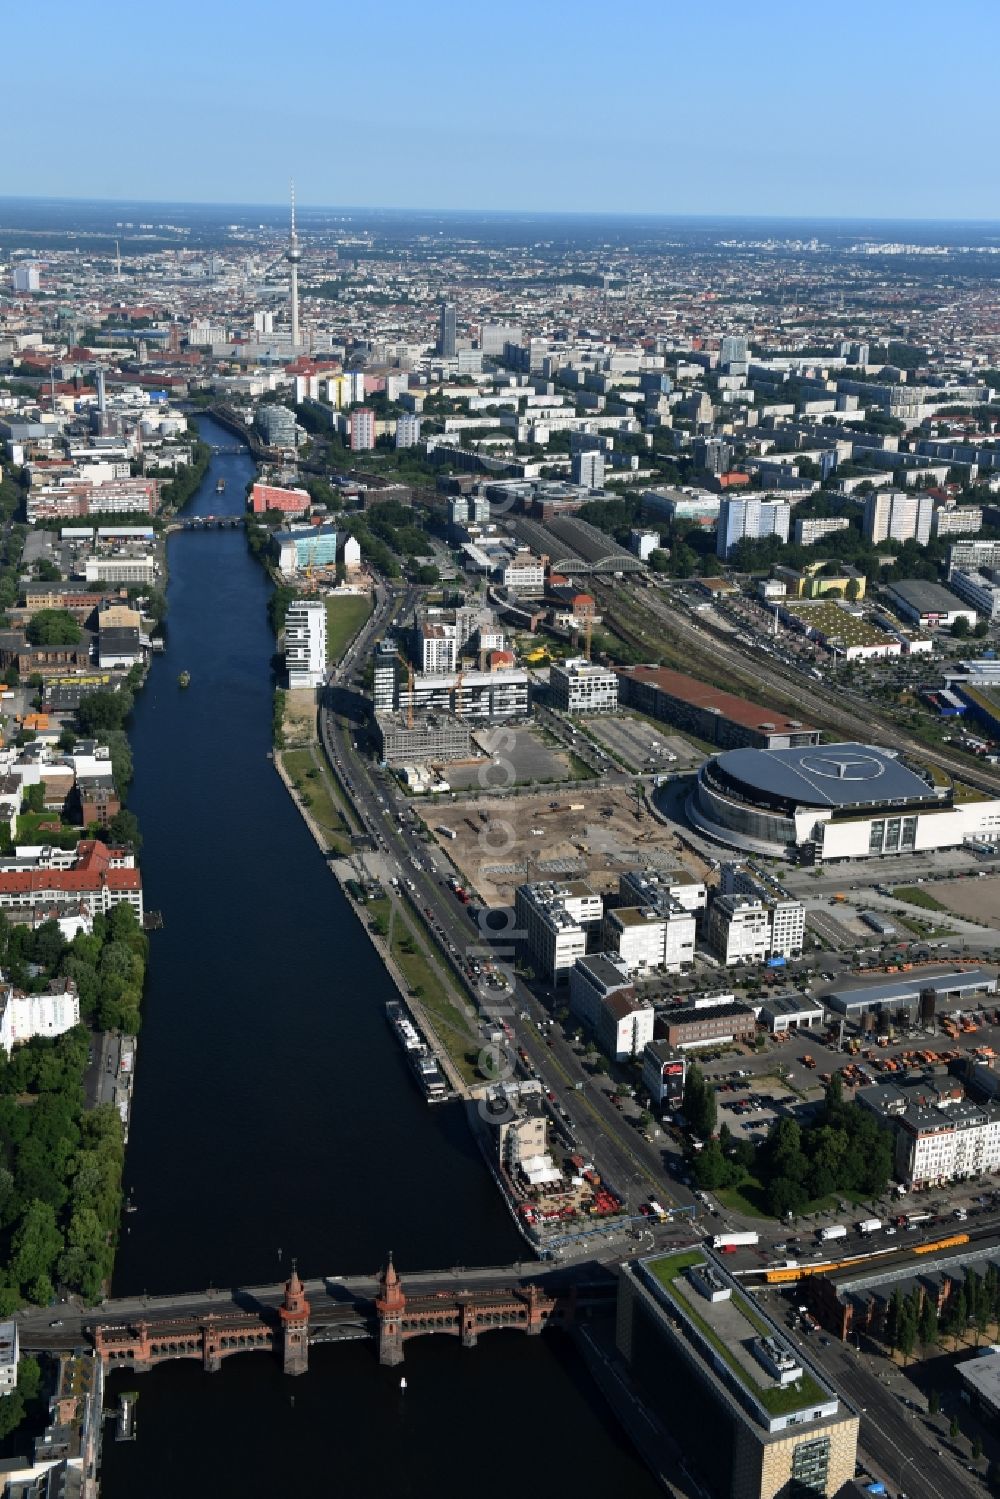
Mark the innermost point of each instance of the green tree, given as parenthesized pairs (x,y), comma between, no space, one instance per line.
(36,1245)
(961,628)
(933,1402)
(954,1430)
(53,627)
(928,1323)
(123,828)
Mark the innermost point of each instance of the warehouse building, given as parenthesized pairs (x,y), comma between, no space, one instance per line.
(899,994)
(929,604)
(719,717)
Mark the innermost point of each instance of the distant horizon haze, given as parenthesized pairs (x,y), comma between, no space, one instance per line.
(764,110)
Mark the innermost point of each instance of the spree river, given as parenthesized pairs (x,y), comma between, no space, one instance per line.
(275,1116)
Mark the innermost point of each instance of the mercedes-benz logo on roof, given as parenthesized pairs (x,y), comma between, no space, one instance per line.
(844,767)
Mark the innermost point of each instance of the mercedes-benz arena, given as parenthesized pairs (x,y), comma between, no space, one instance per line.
(838,801)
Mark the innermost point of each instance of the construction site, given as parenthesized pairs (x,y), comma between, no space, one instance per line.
(592,833)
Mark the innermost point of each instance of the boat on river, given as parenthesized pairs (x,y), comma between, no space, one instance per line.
(184,680)
(220,485)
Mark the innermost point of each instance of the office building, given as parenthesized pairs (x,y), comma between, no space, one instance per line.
(555,920)
(643,544)
(446,331)
(750,520)
(523,574)
(587,469)
(895,515)
(756,1419)
(433,737)
(407,430)
(712,1021)
(972,556)
(681,504)
(787,913)
(305,642)
(651,937)
(493,337)
(264,497)
(139,569)
(26,278)
(712,455)
(578,686)
(9,1355)
(644,887)
(739,929)
(601,994)
(277,426)
(806,533)
(362,429)
(733,349)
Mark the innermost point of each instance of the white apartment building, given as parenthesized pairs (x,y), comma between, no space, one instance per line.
(577,686)
(407,430)
(305,642)
(739,929)
(894,515)
(978,590)
(947,1141)
(788,914)
(363,431)
(438,648)
(750,519)
(806,533)
(554,920)
(953,520)
(25,1015)
(587,469)
(9,1354)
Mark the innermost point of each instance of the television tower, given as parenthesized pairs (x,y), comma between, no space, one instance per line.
(293,255)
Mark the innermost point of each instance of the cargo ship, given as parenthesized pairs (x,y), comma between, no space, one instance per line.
(418,1054)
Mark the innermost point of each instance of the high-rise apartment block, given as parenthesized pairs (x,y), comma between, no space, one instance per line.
(750,519)
(362,429)
(894,515)
(587,469)
(407,430)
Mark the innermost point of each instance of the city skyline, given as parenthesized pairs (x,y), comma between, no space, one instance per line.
(807,125)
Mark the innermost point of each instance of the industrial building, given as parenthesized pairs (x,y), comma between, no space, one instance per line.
(754,1416)
(710,1021)
(835,801)
(898,994)
(719,717)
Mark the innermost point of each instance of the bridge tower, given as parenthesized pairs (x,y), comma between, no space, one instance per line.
(294,1314)
(390,1304)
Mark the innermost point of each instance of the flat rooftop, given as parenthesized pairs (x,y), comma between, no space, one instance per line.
(908,990)
(714,700)
(927,598)
(725,1331)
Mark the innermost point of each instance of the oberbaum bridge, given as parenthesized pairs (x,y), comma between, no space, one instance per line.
(285,1320)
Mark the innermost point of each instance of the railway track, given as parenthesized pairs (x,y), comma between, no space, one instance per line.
(715,648)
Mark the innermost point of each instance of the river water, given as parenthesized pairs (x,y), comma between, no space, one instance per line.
(275,1116)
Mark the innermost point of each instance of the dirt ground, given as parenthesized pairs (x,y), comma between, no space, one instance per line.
(300,716)
(976,900)
(588,834)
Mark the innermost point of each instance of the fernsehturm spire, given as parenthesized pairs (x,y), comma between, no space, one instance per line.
(293,255)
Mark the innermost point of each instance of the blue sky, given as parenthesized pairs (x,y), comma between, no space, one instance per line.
(867,107)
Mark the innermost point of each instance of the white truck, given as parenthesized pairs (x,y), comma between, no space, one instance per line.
(869,1225)
(835,1231)
(735,1241)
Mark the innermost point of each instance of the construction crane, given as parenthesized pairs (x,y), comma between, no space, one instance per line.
(409,688)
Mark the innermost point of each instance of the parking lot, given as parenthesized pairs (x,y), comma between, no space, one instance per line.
(639,746)
(515,757)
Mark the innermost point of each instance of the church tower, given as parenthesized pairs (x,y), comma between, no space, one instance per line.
(294,1314)
(390,1304)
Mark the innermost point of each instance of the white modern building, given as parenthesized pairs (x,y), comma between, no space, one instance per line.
(976,589)
(578,686)
(750,520)
(806,533)
(407,430)
(587,469)
(651,937)
(953,520)
(788,914)
(9,1354)
(642,887)
(438,644)
(555,920)
(739,929)
(602,996)
(895,515)
(25,1015)
(523,574)
(305,642)
(644,544)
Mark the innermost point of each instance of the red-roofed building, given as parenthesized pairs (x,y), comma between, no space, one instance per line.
(270,497)
(99,878)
